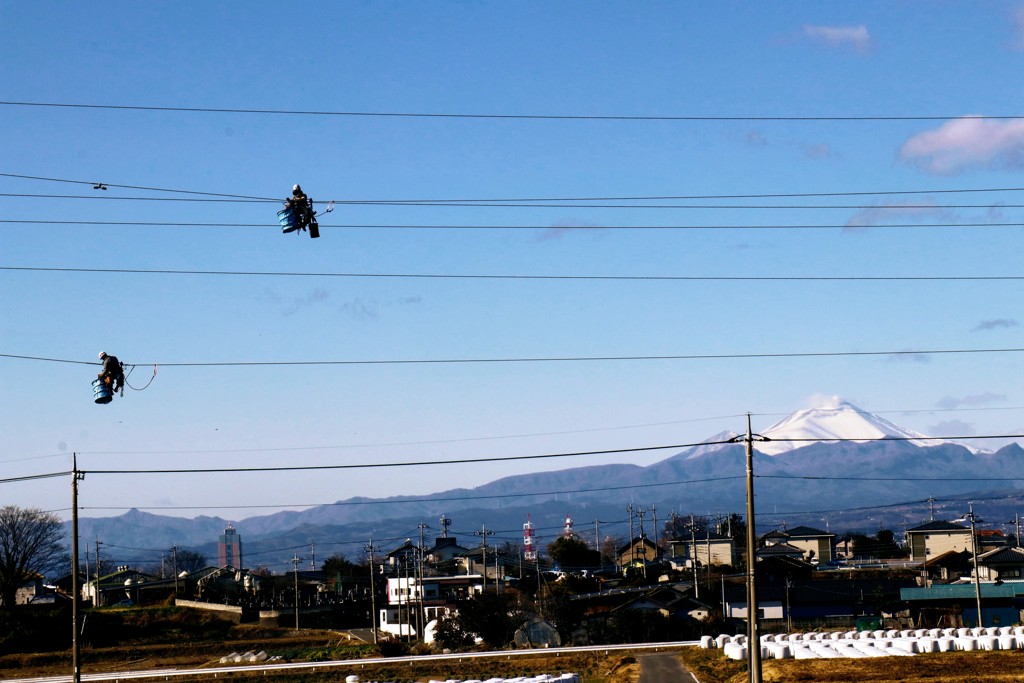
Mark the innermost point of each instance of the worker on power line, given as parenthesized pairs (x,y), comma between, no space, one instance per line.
(112,373)
(302,215)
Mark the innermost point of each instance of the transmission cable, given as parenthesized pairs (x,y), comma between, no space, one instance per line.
(543,359)
(455,115)
(481,276)
(583,228)
(408,463)
(759,195)
(530,205)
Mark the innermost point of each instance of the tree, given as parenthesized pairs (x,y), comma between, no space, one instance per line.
(493,617)
(573,554)
(30,544)
(337,566)
(190,561)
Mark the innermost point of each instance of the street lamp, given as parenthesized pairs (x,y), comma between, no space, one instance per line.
(973,519)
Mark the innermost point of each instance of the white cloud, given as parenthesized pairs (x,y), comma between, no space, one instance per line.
(995,324)
(900,212)
(856,37)
(974,401)
(952,428)
(966,143)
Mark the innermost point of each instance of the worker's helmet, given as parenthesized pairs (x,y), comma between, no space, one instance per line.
(296,188)
(103,354)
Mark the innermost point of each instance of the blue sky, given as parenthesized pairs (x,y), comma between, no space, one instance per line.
(719,60)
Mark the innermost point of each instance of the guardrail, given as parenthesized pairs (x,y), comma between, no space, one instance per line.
(312,667)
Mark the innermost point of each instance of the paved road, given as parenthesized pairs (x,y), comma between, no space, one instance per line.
(663,668)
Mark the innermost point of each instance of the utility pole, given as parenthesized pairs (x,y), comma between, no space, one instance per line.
(312,561)
(632,544)
(76,670)
(1016,521)
(373,598)
(597,544)
(483,534)
(174,556)
(654,528)
(97,597)
(295,561)
(421,617)
(693,557)
(753,632)
(973,519)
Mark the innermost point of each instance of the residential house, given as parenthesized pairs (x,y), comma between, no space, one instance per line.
(817,544)
(638,552)
(27,591)
(434,595)
(124,585)
(780,550)
(948,566)
(938,537)
(704,547)
(1001,564)
(404,555)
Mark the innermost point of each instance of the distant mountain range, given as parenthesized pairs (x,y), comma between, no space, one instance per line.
(851,481)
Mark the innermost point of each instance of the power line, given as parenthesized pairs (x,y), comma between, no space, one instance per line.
(408,463)
(481,276)
(616,451)
(392,226)
(758,195)
(483,204)
(33,477)
(544,359)
(451,115)
(485,438)
(431,499)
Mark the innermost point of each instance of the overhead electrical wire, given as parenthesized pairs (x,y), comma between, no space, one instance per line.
(758,195)
(407,463)
(279,449)
(530,205)
(640,449)
(464,115)
(584,228)
(544,359)
(420,499)
(509,276)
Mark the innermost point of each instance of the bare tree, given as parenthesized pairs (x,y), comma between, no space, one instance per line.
(190,561)
(30,544)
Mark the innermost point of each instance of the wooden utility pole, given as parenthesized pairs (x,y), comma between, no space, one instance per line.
(76,670)
(295,561)
(483,534)
(373,597)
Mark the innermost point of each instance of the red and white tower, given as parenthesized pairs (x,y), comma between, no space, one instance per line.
(529,547)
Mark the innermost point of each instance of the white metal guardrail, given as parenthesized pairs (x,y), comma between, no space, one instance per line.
(264,668)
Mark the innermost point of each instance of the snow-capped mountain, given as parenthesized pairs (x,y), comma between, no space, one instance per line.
(834,421)
(840,420)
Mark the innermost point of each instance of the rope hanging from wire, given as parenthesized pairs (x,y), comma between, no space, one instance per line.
(131,370)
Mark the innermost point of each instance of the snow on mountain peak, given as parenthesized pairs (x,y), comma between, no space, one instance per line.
(837,419)
(833,419)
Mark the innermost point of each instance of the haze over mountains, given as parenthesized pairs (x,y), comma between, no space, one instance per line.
(832,466)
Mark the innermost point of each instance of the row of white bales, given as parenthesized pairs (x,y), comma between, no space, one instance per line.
(858,644)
